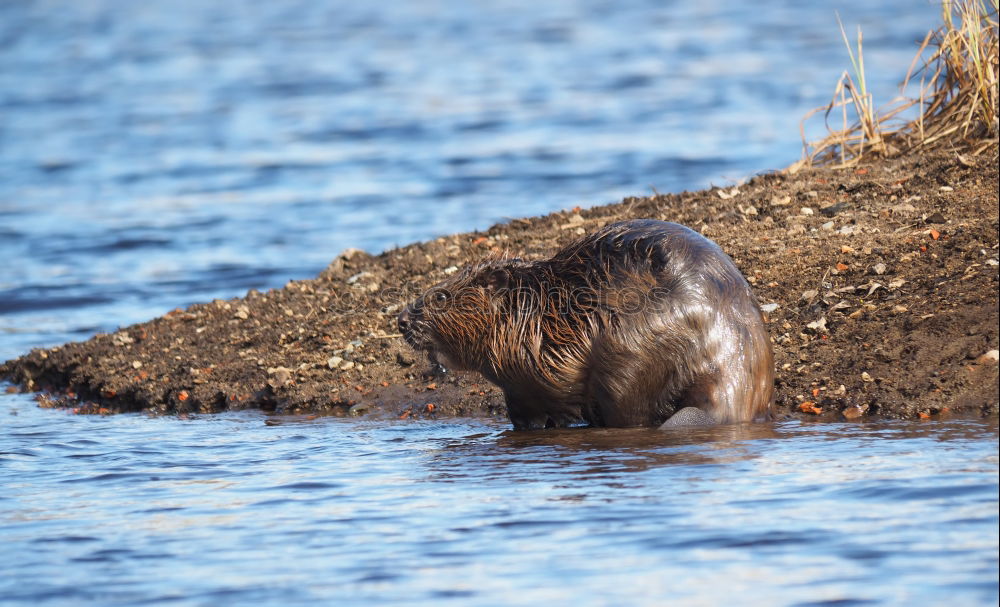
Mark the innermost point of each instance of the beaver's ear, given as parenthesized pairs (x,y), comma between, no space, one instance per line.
(498,279)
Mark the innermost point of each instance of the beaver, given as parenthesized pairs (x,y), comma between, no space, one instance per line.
(642,323)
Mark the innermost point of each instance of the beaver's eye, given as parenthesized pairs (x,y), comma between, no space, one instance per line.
(440,296)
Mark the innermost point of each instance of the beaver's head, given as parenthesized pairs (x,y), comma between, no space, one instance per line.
(462,322)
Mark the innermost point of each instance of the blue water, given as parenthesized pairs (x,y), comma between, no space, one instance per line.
(156,154)
(228,509)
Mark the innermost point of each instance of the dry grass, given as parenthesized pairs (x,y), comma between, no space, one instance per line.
(958,69)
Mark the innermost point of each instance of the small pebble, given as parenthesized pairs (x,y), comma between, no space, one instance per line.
(358,409)
(990,356)
(833,209)
(280,376)
(122,339)
(855,411)
(818,325)
(357,277)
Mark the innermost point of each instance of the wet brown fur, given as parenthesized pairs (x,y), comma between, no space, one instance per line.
(620,328)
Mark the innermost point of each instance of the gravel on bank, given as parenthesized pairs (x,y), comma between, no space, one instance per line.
(880,285)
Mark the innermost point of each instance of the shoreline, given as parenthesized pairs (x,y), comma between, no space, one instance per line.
(880,284)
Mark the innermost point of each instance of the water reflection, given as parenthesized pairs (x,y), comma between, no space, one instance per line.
(597,452)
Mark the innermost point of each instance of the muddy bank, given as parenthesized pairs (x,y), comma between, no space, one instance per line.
(881,286)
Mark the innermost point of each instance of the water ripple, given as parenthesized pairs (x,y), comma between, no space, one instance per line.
(157,154)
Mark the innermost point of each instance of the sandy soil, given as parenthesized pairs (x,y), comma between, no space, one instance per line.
(881,286)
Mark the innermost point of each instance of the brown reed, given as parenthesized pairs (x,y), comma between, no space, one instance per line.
(958,69)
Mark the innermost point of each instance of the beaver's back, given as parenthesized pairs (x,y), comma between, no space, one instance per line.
(669,251)
(696,338)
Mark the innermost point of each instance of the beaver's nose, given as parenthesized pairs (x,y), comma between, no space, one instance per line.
(403,320)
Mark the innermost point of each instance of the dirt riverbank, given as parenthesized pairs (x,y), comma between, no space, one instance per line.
(880,282)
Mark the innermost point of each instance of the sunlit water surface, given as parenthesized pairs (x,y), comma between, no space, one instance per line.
(228,509)
(157,154)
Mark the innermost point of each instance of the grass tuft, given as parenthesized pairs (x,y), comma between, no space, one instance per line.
(958,69)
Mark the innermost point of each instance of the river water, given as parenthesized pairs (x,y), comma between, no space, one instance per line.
(157,154)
